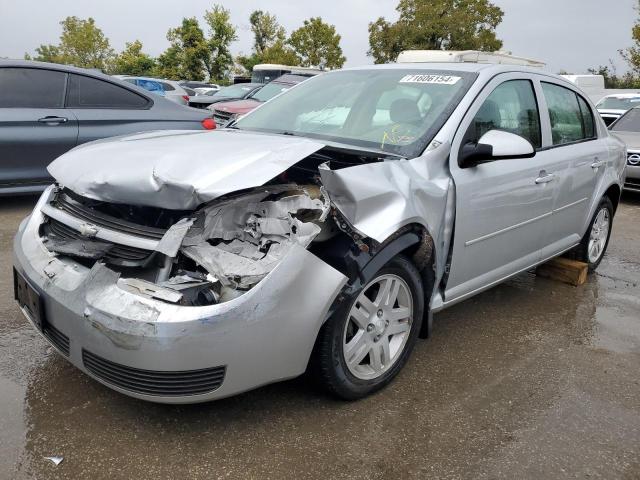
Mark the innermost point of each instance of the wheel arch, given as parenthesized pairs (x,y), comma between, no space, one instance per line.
(360,262)
(614,192)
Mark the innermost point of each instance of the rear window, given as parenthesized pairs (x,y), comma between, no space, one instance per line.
(87,92)
(167,87)
(588,125)
(565,114)
(31,88)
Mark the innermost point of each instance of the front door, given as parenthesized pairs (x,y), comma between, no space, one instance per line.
(503,208)
(34,126)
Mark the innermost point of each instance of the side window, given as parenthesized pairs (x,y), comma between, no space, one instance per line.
(167,87)
(31,88)
(511,107)
(564,113)
(588,125)
(87,92)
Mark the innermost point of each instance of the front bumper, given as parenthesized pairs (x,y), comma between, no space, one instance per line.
(632,181)
(263,336)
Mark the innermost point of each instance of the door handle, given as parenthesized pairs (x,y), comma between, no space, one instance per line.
(597,163)
(53,119)
(545,177)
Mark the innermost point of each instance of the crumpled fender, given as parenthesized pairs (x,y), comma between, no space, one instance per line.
(378,199)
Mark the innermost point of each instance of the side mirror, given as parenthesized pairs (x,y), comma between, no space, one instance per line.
(495,145)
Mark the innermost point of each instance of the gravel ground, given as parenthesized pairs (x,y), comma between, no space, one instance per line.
(532,379)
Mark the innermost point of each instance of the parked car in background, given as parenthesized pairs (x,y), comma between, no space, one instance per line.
(190,91)
(267,72)
(186,267)
(232,92)
(197,86)
(172,89)
(48,109)
(612,107)
(228,111)
(153,86)
(204,91)
(627,128)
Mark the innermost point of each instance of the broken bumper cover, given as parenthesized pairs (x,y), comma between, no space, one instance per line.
(150,349)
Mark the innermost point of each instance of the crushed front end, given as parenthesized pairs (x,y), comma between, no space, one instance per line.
(180,306)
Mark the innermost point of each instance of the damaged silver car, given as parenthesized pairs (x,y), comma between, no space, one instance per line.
(318,233)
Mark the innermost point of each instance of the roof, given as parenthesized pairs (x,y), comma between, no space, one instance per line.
(452,67)
(463,56)
(274,66)
(54,66)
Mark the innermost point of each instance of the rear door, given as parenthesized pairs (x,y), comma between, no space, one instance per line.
(34,126)
(503,208)
(105,109)
(580,157)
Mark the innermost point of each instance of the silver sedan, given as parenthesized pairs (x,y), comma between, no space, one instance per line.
(318,233)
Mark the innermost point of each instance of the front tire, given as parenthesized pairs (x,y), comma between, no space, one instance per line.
(367,341)
(595,241)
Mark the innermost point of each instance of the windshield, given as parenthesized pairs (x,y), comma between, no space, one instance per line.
(629,122)
(233,91)
(618,103)
(395,110)
(265,76)
(269,91)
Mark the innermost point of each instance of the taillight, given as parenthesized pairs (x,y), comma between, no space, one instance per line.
(209,124)
(186,98)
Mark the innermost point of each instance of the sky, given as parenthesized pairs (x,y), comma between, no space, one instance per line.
(569,35)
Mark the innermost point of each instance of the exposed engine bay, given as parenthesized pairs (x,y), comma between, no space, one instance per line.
(207,256)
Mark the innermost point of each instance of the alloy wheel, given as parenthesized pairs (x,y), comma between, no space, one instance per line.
(378,327)
(598,236)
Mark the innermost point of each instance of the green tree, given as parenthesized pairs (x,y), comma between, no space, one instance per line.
(82,44)
(270,43)
(168,64)
(219,61)
(436,25)
(46,53)
(266,31)
(280,53)
(613,80)
(132,61)
(317,44)
(248,61)
(185,58)
(632,54)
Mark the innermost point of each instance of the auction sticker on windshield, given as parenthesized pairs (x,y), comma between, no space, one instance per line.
(441,79)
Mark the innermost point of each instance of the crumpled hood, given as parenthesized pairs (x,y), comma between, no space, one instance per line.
(177,169)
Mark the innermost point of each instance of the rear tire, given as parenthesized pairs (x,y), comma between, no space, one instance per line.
(367,341)
(595,241)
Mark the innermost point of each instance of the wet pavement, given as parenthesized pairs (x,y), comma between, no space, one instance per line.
(532,379)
